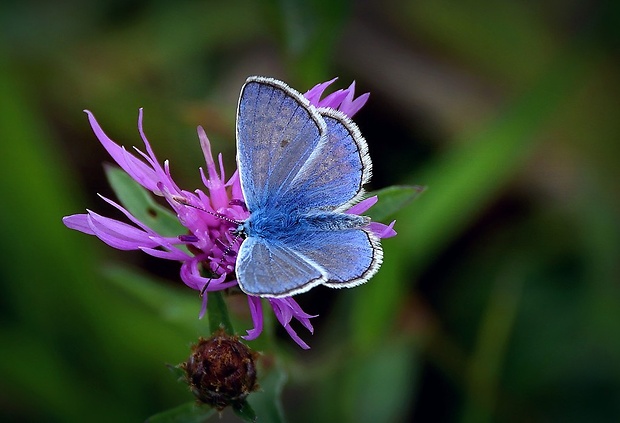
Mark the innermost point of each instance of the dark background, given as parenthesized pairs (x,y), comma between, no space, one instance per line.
(497,301)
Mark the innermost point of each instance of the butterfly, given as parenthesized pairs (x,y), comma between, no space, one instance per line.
(300,168)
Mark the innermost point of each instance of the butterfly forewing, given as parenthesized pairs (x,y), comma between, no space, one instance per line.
(277,131)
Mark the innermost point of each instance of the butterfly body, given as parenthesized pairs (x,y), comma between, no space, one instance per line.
(300,168)
(280,226)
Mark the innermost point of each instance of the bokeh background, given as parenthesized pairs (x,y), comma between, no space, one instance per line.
(497,302)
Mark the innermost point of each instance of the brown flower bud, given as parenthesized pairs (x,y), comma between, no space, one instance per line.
(221,370)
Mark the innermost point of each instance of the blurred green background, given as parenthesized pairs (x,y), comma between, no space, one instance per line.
(497,302)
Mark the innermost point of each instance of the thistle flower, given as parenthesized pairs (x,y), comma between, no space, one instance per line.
(208,259)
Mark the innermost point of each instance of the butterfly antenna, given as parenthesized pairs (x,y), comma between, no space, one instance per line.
(185,202)
(204,288)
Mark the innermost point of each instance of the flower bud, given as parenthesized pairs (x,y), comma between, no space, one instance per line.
(221,370)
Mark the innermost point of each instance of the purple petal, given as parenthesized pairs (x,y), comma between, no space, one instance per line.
(137,169)
(118,234)
(333,100)
(296,337)
(342,100)
(383,231)
(349,106)
(79,222)
(284,310)
(214,181)
(363,205)
(314,94)
(235,187)
(256,311)
(168,254)
(203,308)
(130,216)
(188,271)
(163,174)
(190,274)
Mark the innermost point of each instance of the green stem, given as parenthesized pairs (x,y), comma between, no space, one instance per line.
(218,313)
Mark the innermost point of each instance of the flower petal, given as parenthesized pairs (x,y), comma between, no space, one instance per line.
(314,94)
(363,205)
(256,311)
(137,169)
(118,234)
(383,231)
(349,106)
(79,222)
(333,100)
(287,308)
(167,254)
(190,274)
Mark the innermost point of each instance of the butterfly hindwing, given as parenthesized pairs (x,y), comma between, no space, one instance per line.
(270,269)
(333,176)
(350,257)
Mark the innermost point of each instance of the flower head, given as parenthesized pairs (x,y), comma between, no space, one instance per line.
(208,249)
(221,371)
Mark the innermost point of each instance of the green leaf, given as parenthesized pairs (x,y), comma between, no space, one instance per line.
(186,413)
(218,313)
(174,305)
(267,401)
(139,202)
(245,411)
(178,372)
(392,199)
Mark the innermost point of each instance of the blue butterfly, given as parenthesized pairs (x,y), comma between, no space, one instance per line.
(300,168)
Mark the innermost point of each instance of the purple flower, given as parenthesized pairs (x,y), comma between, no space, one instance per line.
(208,247)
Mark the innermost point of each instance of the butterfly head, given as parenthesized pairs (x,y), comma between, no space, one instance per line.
(240,230)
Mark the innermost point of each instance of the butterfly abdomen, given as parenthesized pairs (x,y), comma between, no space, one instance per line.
(280,225)
(332,221)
